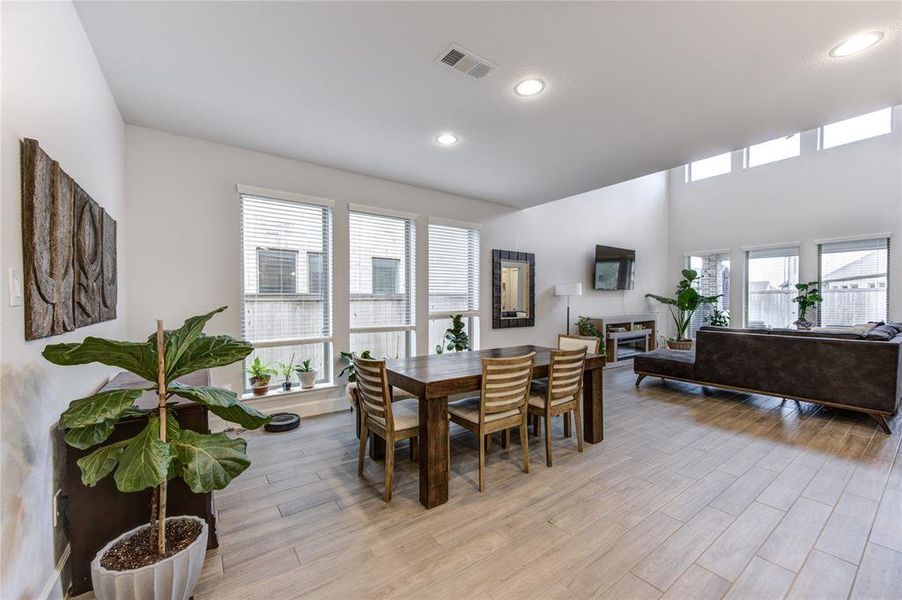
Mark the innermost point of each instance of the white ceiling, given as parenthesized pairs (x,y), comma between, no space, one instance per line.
(633,87)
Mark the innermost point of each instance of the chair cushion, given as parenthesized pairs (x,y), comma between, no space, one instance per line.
(539,401)
(468,409)
(405,412)
(663,362)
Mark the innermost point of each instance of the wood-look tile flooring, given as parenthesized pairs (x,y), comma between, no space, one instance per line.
(693,494)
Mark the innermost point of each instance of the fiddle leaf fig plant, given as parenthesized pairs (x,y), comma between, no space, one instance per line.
(809,297)
(348,359)
(685,302)
(456,338)
(162,450)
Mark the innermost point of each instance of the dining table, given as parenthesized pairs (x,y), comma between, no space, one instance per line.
(432,379)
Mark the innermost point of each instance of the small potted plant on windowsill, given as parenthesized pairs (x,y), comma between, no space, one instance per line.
(682,307)
(306,374)
(260,374)
(286,369)
(809,297)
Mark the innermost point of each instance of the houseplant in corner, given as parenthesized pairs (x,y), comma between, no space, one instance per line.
(586,328)
(306,374)
(456,339)
(809,297)
(260,374)
(682,307)
(163,558)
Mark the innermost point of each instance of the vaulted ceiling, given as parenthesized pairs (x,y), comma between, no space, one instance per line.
(632,87)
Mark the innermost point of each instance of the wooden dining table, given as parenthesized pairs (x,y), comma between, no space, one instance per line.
(432,379)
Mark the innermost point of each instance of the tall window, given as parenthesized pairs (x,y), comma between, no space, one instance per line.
(453,281)
(854,281)
(857,128)
(770,278)
(713,279)
(285,312)
(709,167)
(382,284)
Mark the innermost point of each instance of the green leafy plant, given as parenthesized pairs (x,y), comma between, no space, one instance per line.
(286,369)
(718,318)
(685,302)
(456,339)
(305,367)
(348,359)
(162,450)
(259,371)
(809,297)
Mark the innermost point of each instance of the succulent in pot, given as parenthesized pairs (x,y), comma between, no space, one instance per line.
(163,558)
(286,369)
(260,374)
(306,374)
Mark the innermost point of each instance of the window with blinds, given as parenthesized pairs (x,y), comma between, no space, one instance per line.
(453,281)
(854,281)
(771,275)
(713,279)
(287,282)
(382,284)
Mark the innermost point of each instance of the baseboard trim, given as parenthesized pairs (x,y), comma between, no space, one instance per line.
(56,575)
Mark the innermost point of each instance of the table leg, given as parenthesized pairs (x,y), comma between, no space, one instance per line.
(377,448)
(593,410)
(433,451)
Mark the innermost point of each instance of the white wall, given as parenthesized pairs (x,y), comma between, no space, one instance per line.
(53,91)
(563,236)
(849,190)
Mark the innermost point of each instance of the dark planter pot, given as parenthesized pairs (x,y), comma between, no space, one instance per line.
(286,385)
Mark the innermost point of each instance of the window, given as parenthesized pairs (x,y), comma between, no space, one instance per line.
(854,281)
(279,319)
(858,128)
(713,279)
(774,150)
(276,271)
(315,273)
(385,275)
(382,250)
(709,167)
(453,281)
(770,278)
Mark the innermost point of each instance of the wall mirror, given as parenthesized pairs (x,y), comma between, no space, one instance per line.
(513,289)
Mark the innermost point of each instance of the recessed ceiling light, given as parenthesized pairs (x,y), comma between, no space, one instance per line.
(446,139)
(529,87)
(857,43)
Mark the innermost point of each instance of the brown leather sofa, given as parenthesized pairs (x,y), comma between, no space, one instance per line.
(839,370)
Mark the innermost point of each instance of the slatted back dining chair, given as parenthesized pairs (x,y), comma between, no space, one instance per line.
(500,406)
(381,417)
(562,396)
(573,342)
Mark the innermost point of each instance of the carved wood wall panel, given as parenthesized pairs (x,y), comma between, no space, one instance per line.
(69,250)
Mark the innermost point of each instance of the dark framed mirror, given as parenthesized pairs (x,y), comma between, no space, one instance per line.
(513,289)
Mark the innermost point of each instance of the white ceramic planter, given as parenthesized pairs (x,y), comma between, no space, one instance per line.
(171,579)
(308,379)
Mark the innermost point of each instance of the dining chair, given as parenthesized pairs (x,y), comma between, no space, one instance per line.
(562,394)
(592,344)
(500,406)
(392,421)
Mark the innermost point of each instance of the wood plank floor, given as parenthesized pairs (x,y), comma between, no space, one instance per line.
(693,494)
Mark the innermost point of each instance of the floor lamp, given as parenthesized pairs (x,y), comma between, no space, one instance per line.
(568,289)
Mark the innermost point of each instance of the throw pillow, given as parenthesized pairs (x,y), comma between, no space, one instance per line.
(884,333)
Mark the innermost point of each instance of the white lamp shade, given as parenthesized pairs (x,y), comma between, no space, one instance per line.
(568,289)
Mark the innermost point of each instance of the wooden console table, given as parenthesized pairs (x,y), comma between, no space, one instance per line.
(98,514)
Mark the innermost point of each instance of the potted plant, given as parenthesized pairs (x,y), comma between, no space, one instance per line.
(585,327)
(286,369)
(682,307)
(260,374)
(456,338)
(306,374)
(163,558)
(348,359)
(718,318)
(809,297)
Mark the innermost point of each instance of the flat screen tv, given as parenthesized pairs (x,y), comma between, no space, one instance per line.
(614,268)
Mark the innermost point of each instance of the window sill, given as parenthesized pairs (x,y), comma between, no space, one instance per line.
(279,392)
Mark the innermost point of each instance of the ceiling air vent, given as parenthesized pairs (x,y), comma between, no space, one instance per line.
(465,61)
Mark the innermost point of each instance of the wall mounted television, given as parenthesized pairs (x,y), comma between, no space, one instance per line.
(614,268)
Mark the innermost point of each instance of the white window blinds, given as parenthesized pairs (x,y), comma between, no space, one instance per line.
(854,281)
(771,275)
(713,279)
(453,270)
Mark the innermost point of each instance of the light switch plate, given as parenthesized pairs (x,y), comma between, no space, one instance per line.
(15,288)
